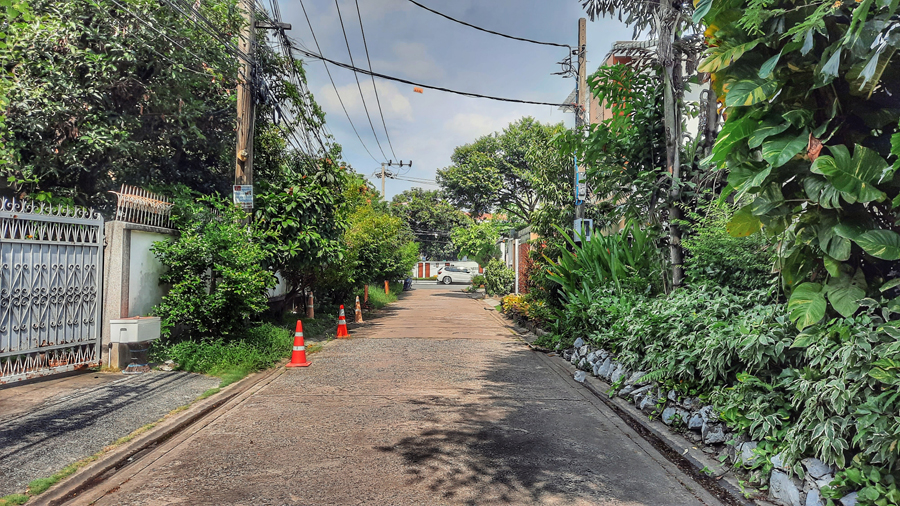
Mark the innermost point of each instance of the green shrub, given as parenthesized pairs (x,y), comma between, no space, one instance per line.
(478,280)
(216,269)
(716,258)
(498,278)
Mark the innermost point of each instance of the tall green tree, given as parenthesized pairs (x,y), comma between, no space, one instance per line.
(102,98)
(431,218)
(501,172)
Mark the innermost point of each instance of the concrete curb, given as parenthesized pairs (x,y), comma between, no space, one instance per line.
(672,445)
(93,474)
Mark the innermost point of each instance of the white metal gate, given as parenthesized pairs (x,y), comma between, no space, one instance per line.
(51,266)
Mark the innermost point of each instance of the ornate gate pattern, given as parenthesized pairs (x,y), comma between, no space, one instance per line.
(51,265)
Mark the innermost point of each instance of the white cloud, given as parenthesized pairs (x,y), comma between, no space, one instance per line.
(394,105)
(473,125)
(412,60)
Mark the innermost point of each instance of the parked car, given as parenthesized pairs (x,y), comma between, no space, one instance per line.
(453,274)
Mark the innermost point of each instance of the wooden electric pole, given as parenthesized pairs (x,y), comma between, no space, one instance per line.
(246,110)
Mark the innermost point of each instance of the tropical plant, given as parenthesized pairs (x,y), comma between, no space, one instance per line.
(811,140)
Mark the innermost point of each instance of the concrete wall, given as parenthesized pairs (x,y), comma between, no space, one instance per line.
(143,279)
(130,273)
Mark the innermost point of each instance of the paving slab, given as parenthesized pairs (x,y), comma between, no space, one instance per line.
(80,416)
(433,418)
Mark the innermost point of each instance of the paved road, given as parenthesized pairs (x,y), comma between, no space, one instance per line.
(81,415)
(436,403)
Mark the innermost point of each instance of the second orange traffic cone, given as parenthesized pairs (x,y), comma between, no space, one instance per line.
(342,325)
(358,318)
(298,357)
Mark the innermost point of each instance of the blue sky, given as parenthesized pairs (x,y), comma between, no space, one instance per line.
(409,42)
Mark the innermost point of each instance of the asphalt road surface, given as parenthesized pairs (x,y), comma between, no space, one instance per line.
(436,403)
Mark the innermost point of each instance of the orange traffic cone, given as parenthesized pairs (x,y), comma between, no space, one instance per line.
(342,325)
(358,312)
(298,357)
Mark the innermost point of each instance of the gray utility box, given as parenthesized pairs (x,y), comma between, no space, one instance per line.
(130,339)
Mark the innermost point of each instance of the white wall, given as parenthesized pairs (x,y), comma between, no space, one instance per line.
(280,289)
(144,290)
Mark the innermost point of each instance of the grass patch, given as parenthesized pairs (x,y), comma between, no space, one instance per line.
(13,499)
(260,347)
(208,393)
(378,299)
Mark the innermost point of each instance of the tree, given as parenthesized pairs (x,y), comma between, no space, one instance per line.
(380,246)
(479,241)
(500,172)
(216,268)
(431,219)
(94,105)
(625,154)
(666,22)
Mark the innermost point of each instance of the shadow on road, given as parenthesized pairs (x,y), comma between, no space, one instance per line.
(526,439)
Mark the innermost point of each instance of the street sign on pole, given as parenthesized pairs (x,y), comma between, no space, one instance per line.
(243,196)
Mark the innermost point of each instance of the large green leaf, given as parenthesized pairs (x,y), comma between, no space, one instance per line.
(733,132)
(770,198)
(743,223)
(844,292)
(768,128)
(883,244)
(701,9)
(834,245)
(723,56)
(807,305)
(822,192)
(750,92)
(854,177)
(781,149)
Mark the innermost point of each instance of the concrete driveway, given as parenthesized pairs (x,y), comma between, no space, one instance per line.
(435,403)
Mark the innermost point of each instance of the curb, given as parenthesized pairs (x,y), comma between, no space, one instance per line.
(95,473)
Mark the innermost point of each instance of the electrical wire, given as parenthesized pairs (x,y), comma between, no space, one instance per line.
(317,56)
(489,31)
(356,76)
(369,60)
(330,78)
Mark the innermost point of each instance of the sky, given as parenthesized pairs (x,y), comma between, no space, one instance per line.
(409,42)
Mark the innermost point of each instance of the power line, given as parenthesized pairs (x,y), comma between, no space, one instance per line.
(310,54)
(355,76)
(489,31)
(330,78)
(377,100)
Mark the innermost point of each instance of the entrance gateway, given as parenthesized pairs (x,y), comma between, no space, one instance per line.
(51,265)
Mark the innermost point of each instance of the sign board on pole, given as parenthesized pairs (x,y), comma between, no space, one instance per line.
(583,228)
(243,196)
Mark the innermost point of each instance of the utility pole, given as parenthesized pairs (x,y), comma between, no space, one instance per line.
(246,113)
(580,122)
(390,163)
